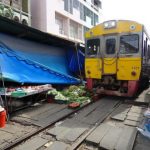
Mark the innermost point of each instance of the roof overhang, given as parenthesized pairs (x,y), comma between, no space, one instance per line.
(19,30)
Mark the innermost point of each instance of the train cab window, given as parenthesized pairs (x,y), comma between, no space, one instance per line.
(148,51)
(129,44)
(110,46)
(93,46)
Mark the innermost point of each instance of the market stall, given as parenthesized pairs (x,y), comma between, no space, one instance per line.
(19,97)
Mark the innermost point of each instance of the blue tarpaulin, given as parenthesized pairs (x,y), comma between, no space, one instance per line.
(17,67)
(76,60)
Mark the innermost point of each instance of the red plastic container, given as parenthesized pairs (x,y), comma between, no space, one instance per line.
(50,100)
(74,105)
(2,118)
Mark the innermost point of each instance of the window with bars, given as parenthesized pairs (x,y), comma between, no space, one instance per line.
(60,22)
(73,29)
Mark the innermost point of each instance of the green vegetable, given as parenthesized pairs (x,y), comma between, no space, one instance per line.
(52,92)
(72,94)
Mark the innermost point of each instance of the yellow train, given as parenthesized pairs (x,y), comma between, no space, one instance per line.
(117,57)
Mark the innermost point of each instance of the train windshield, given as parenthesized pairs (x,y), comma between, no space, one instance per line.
(110,46)
(93,46)
(129,44)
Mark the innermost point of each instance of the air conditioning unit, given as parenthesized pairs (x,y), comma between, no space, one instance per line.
(8,13)
(16,16)
(25,19)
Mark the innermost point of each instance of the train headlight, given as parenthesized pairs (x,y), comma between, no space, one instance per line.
(106,25)
(110,24)
(88,72)
(133,73)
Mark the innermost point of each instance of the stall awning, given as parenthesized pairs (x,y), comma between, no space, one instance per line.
(16,67)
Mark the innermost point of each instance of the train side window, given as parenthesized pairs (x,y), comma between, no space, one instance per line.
(110,46)
(129,44)
(144,51)
(148,51)
(92,46)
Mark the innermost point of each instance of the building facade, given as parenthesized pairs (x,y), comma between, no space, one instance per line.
(66,18)
(17,10)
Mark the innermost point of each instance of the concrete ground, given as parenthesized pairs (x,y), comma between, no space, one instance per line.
(106,124)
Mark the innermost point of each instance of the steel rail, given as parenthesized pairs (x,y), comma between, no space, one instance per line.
(19,141)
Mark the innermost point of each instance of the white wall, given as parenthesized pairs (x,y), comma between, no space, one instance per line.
(38,14)
(50,11)
(43,16)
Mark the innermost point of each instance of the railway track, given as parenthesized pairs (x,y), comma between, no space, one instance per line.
(75,129)
(83,121)
(23,139)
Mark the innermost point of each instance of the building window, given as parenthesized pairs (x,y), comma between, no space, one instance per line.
(60,22)
(85,14)
(73,29)
(76,30)
(76,4)
(71,6)
(96,19)
(98,3)
(81,11)
(66,5)
(88,12)
(25,6)
(84,11)
(92,19)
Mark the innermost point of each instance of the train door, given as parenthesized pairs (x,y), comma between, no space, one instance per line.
(145,50)
(146,55)
(110,55)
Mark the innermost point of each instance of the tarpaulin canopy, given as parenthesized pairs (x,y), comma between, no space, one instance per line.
(76,60)
(16,66)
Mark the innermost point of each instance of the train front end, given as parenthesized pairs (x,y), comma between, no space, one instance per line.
(113,57)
